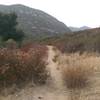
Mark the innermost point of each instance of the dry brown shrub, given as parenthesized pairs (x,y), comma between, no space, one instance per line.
(76,77)
(19,67)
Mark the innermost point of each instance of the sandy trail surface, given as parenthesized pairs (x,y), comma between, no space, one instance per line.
(53,67)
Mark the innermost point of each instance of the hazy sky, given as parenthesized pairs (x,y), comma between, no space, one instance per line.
(71,12)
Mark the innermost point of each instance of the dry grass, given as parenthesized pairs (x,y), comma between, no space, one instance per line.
(76,77)
(81,75)
(77,69)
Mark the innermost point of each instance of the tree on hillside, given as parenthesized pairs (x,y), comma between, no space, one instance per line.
(8,30)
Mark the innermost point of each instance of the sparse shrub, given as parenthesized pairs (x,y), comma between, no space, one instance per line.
(55,58)
(11,44)
(76,77)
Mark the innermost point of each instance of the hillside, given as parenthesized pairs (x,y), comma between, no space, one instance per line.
(35,22)
(87,40)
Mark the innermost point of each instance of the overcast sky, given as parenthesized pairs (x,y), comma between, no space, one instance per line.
(72,12)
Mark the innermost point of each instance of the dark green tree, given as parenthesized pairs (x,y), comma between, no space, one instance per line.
(8,30)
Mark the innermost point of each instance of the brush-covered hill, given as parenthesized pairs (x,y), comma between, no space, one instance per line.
(87,40)
(35,22)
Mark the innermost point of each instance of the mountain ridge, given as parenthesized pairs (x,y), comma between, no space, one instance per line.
(35,22)
(76,29)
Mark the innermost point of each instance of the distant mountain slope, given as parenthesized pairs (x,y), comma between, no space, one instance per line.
(75,29)
(35,22)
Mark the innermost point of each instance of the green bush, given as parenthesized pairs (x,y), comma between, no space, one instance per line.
(8,30)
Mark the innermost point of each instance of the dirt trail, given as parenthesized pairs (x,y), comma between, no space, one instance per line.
(53,67)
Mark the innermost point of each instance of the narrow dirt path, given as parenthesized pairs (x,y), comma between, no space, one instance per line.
(53,67)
